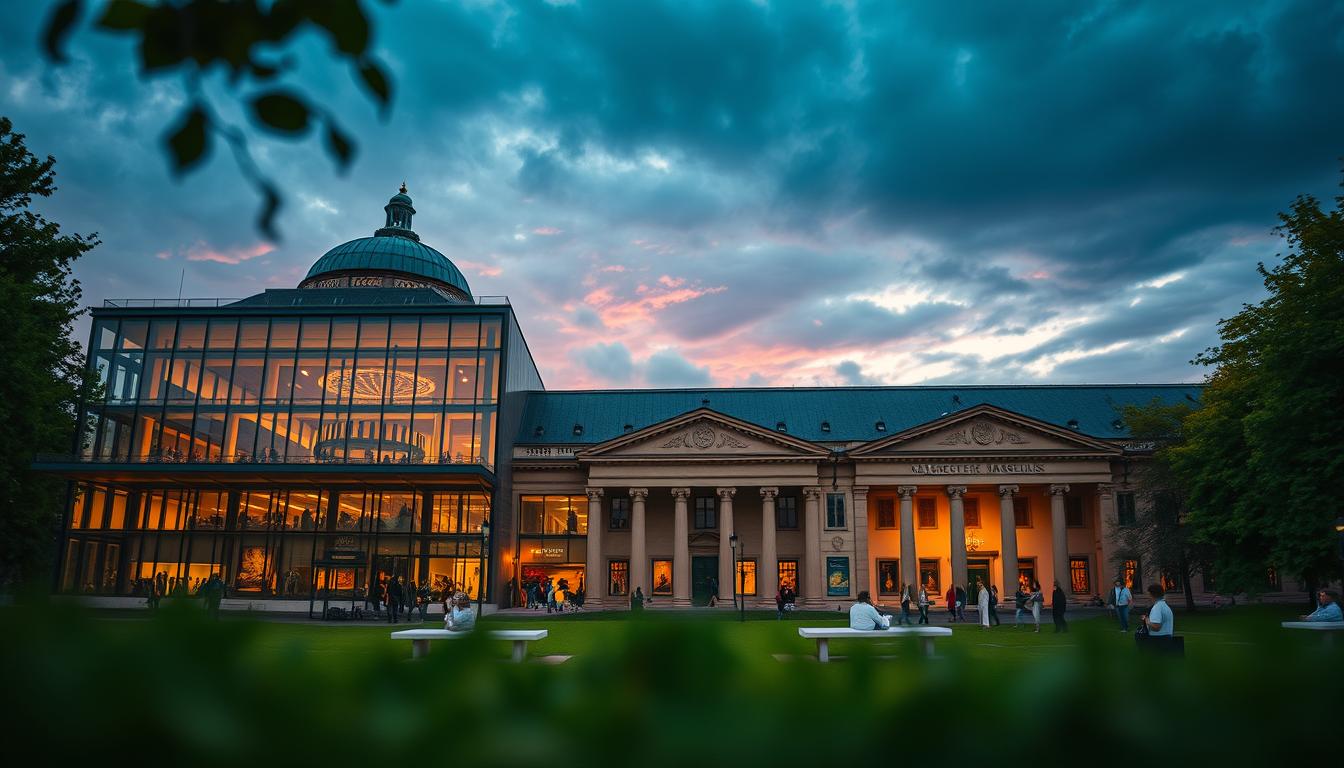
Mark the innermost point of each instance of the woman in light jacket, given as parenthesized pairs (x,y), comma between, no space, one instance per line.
(982,602)
(1036,598)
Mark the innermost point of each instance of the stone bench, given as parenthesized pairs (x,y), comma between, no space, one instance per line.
(824,636)
(420,639)
(1328,627)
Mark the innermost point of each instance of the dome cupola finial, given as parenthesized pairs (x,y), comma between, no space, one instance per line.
(399,212)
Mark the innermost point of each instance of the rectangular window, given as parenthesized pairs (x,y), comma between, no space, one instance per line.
(786,512)
(788,574)
(746,577)
(1080,579)
(835,514)
(971,510)
(619,517)
(618,577)
(888,577)
(886,513)
(662,577)
(706,511)
(1073,511)
(929,576)
(928,512)
(1022,511)
(1026,572)
(1131,575)
(1124,508)
(1272,582)
(1171,582)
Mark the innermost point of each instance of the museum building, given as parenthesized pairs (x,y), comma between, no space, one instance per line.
(379,419)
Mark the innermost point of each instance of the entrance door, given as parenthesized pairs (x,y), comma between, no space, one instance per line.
(975,569)
(702,570)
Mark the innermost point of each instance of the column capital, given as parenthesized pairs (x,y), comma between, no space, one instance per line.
(638,494)
(1058,490)
(681,493)
(859,490)
(1105,489)
(1007,491)
(594,494)
(725,494)
(956,491)
(906,491)
(812,492)
(769,494)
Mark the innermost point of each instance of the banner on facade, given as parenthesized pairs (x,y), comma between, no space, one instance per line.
(837,577)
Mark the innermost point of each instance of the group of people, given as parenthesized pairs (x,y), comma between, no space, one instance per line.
(554,596)
(210,589)
(401,599)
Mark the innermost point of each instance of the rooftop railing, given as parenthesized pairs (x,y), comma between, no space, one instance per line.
(191,459)
(160,303)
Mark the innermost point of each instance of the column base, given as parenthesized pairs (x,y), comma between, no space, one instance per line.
(681,602)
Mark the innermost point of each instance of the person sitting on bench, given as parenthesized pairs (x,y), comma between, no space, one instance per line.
(1328,600)
(460,616)
(862,614)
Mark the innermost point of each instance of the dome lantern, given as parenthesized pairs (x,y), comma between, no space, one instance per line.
(399,212)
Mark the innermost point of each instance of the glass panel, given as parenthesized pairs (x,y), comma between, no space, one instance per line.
(487,377)
(184,380)
(316,330)
(618,577)
(303,432)
(311,371)
(279,378)
(465,332)
(97,502)
(133,334)
(152,386)
(426,428)
(405,332)
(211,510)
(458,436)
(252,334)
(191,334)
(161,334)
(396,512)
(223,334)
(242,435)
(463,384)
(373,333)
(746,577)
(490,333)
(284,333)
(485,438)
(367,382)
(105,334)
(125,381)
(1079,579)
(215,379)
(247,380)
(343,330)
(434,332)
(403,382)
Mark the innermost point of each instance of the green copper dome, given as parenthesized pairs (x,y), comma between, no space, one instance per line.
(393,257)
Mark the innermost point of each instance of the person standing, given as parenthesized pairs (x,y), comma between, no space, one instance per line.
(1121,598)
(1160,621)
(951,603)
(394,599)
(713,591)
(961,603)
(1020,603)
(905,604)
(982,603)
(423,595)
(1057,608)
(550,596)
(994,605)
(1036,599)
(779,603)
(637,600)
(923,605)
(213,592)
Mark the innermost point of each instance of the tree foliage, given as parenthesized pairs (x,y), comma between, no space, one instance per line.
(41,370)
(244,39)
(1263,457)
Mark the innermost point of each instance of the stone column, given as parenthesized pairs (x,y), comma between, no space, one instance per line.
(1107,568)
(639,559)
(909,559)
(812,591)
(860,577)
(1060,537)
(767,568)
(727,569)
(595,580)
(1008,547)
(681,550)
(958,537)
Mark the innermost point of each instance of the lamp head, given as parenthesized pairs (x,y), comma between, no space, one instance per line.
(732,541)
(485,528)
(1339,524)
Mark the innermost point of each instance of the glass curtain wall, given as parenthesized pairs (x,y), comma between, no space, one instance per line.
(371,390)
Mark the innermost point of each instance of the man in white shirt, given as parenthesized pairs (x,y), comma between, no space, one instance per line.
(862,615)
(1159,619)
(1121,598)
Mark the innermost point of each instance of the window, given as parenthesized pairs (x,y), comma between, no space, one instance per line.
(706,510)
(835,513)
(1171,582)
(619,520)
(1022,511)
(618,577)
(886,513)
(746,577)
(788,573)
(554,515)
(888,577)
(1073,511)
(1272,582)
(1026,572)
(1124,508)
(971,512)
(1080,579)
(928,576)
(928,512)
(786,512)
(1130,575)
(662,577)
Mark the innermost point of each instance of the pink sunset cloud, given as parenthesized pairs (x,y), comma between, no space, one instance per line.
(203,252)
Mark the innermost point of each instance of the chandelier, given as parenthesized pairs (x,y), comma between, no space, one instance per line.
(376,384)
(973,542)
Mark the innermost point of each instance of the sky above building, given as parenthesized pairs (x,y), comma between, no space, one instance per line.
(751,193)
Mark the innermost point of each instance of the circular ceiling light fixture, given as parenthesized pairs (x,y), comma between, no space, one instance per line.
(369,384)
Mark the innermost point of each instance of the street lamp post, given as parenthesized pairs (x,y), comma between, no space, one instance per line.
(735,544)
(480,580)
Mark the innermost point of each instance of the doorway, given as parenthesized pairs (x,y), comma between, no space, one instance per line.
(703,570)
(976,569)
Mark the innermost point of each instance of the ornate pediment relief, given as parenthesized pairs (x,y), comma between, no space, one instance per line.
(704,437)
(703,434)
(984,430)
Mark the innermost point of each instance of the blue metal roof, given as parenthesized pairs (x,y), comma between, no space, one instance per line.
(397,254)
(851,412)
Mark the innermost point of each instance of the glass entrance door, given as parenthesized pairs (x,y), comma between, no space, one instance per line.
(703,570)
(975,569)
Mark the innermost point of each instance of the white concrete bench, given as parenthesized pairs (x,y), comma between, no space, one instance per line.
(1329,627)
(420,639)
(824,636)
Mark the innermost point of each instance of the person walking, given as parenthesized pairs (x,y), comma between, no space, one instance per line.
(952,604)
(1020,604)
(713,591)
(423,595)
(905,604)
(1037,598)
(551,607)
(1057,608)
(994,605)
(982,603)
(779,604)
(1121,598)
(213,592)
(923,605)
(961,602)
(394,595)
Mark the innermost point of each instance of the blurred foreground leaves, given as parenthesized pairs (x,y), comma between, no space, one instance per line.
(179,688)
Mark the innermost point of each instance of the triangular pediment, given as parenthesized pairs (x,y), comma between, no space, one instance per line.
(703,434)
(984,430)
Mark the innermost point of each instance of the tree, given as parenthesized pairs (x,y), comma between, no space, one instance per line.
(1263,457)
(41,368)
(1160,533)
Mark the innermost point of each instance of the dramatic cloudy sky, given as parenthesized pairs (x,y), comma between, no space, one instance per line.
(693,193)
